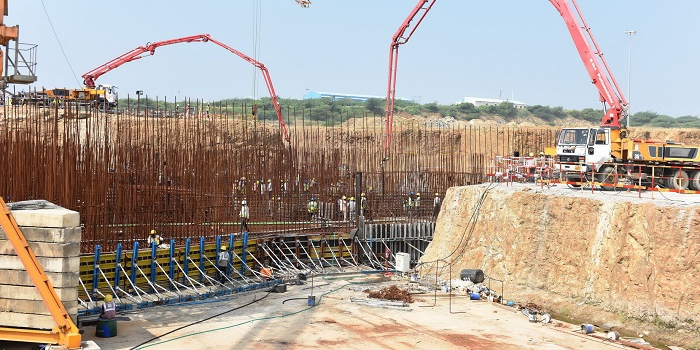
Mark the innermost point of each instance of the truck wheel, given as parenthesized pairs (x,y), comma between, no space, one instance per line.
(695,180)
(608,177)
(678,180)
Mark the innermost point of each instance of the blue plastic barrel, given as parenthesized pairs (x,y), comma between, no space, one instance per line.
(106,328)
(586,328)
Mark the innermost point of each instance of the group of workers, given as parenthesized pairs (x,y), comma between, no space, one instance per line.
(412,205)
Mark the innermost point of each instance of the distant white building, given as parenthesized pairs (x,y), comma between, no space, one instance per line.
(482,101)
(341,96)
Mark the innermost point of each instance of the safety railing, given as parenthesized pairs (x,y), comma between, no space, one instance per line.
(678,178)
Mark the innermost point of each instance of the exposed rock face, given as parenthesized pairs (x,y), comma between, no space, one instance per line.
(634,257)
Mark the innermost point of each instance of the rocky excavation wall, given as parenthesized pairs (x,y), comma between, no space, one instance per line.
(636,258)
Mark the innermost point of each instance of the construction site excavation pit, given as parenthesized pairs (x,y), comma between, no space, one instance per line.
(623,261)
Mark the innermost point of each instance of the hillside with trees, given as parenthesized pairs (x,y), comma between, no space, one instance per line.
(333,112)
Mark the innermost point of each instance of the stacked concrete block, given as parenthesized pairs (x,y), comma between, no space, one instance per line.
(54,236)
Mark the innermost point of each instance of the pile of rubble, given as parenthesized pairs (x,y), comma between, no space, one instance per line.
(391,293)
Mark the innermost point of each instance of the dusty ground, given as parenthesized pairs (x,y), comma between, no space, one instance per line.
(337,322)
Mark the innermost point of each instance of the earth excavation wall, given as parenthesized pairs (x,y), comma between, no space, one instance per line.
(633,260)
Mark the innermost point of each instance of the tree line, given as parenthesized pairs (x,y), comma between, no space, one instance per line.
(334,111)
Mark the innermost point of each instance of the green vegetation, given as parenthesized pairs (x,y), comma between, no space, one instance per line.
(333,112)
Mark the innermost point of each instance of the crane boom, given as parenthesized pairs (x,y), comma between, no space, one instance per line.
(400,37)
(150,48)
(610,93)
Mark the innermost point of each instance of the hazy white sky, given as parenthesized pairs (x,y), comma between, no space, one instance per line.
(517,48)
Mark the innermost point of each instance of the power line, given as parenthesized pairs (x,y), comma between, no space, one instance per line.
(59,44)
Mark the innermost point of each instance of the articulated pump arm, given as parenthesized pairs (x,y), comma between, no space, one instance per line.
(420,11)
(150,48)
(600,75)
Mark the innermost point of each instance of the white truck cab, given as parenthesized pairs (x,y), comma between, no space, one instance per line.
(582,149)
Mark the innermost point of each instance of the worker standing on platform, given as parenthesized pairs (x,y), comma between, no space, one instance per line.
(222,264)
(343,208)
(241,186)
(417,205)
(410,204)
(109,308)
(244,215)
(269,188)
(351,208)
(437,202)
(312,208)
(363,204)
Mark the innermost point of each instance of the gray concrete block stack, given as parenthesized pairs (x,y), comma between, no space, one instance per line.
(54,234)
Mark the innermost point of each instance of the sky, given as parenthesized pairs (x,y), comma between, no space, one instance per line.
(509,49)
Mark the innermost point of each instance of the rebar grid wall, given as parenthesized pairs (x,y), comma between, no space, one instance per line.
(179,171)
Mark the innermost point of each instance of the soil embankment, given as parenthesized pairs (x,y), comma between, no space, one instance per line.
(604,257)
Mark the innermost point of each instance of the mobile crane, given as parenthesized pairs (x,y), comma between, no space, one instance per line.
(150,48)
(605,154)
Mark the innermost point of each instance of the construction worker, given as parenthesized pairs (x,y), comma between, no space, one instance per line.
(269,188)
(154,238)
(222,264)
(437,202)
(417,204)
(284,187)
(410,203)
(343,208)
(351,208)
(312,208)
(241,185)
(280,209)
(109,308)
(364,205)
(244,215)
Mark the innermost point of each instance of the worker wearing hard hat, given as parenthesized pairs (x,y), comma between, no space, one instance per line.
(410,203)
(343,208)
(417,205)
(154,238)
(109,308)
(244,215)
(222,264)
(351,208)
(312,208)
(437,202)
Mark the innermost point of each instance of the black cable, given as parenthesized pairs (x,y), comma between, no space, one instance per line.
(255,300)
(59,43)
(286,300)
(470,224)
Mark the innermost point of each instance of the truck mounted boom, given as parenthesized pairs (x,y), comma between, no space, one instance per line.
(150,48)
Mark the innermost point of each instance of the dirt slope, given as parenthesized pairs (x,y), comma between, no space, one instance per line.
(602,257)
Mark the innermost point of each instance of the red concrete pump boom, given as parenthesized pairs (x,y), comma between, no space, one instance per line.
(400,37)
(611,94)
(601,76)
(150,48)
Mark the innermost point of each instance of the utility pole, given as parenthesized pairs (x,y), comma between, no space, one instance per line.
(630,33)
